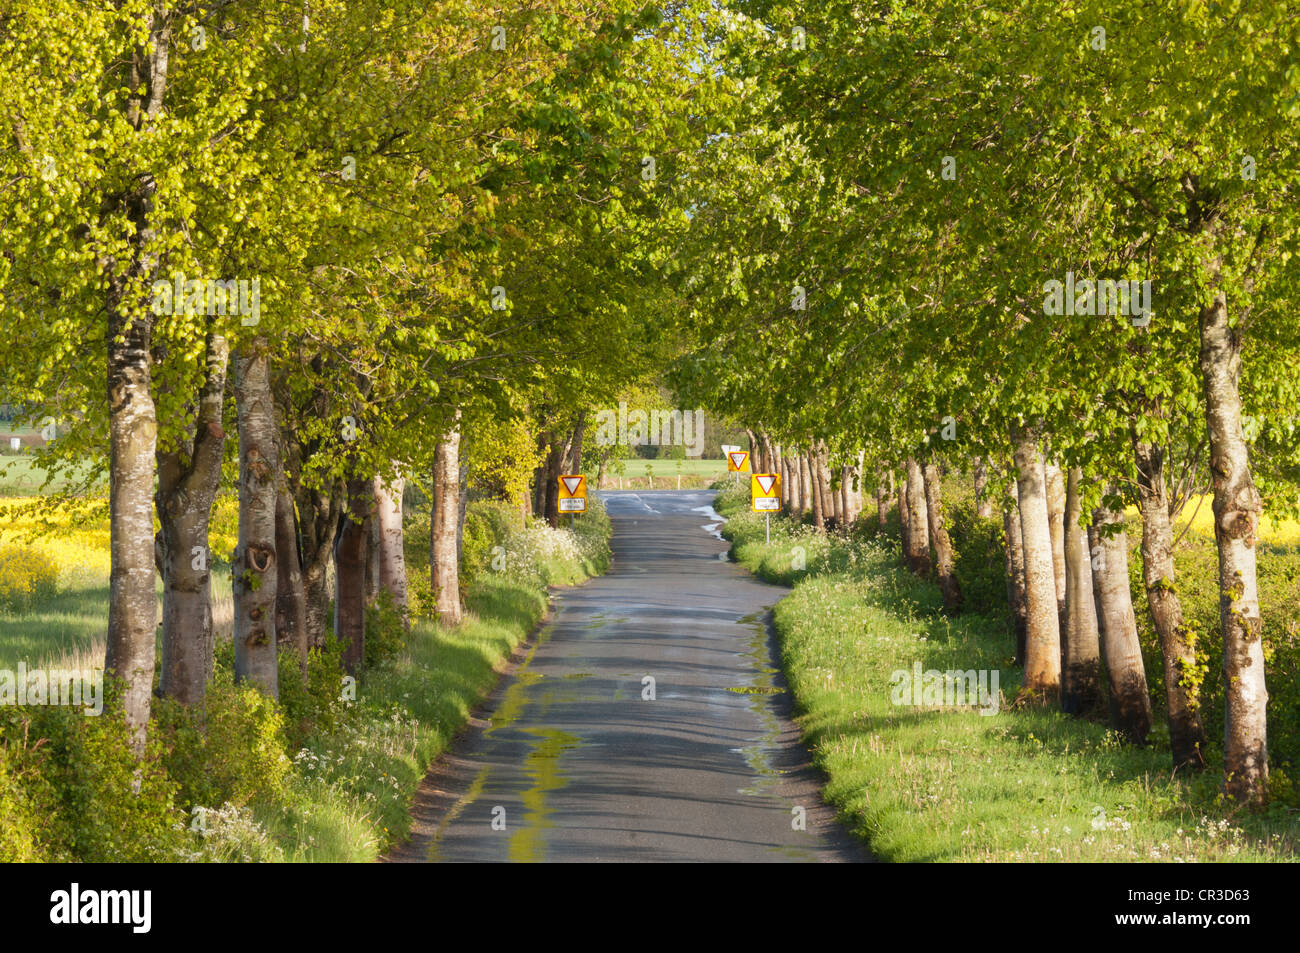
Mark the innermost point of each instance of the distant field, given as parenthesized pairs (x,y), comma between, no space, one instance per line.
(637,468)
(697,467)
(20,476)
(688,474)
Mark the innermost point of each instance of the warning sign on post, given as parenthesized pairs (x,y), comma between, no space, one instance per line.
(573,493)
(765,492)
(737,461)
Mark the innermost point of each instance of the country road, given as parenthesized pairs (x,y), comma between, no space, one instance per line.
(571,762)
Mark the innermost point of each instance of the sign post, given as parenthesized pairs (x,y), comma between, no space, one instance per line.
(573,494)
(738,461)
(765,497)
(727,450)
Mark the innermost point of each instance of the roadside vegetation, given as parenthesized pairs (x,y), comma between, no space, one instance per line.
(947,783)
(327,773)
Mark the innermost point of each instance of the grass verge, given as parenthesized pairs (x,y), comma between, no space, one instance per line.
(945,782)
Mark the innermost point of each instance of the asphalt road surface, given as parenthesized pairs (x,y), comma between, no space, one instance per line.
(571,760)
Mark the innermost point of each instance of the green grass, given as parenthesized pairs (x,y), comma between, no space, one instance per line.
(667,467)
(950,784)
(21,476)
(70,627)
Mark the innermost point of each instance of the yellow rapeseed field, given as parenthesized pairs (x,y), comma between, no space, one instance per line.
(73,535)
(70,534)
(1277,532)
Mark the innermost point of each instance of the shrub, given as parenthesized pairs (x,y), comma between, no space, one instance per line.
(979,560)
(1197,585)
(385,630)
(312,705)
(103,804)
(232,835)
(231,751)
(476,543)
(21,788)
(419,593)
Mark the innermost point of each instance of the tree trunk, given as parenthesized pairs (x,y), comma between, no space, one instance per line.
(462,503)
(350,562)
(918,531)
(904,518)
(1236,519)
(831,518)
(555,459)
(372,559)
(1042,682)
(882,499)
(800,464)
(1081,668)
(952,598)
(319,514)
(544,441)
(130,646)
(765,445)
(392,552)
(188,480)
(860,486)
(290,593)
(445,566)
(815,491)
(1186,735)
(1017,601)
(132,606)
(983,505)
(1056,523)
(574,464)
(846,506)
(254,570)
(1130,702)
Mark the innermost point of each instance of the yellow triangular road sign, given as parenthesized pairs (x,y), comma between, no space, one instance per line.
(573,493)
(765,492)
